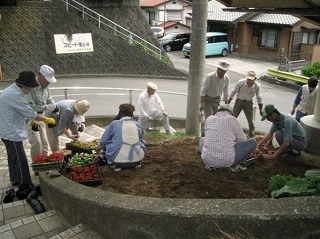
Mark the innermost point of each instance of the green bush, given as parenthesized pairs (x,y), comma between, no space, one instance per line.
(313,70)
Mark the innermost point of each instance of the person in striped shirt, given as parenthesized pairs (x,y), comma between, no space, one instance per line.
(15,112)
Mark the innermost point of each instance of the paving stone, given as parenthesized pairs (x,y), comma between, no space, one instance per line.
(28,231)
(7,235)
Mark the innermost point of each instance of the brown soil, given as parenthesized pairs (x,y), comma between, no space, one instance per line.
(172,168)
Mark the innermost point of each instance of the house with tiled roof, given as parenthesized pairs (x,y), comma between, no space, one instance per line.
(265,36)
(172,15)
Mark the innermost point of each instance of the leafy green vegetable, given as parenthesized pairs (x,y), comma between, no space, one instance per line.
(284,186)
(80,159)
(278,181)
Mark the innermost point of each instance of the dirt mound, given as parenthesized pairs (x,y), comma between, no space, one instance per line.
(172,168)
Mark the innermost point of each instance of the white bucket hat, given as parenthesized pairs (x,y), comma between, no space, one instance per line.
(223,65)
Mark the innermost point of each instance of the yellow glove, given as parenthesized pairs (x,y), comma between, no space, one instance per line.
(34,125)
(50,121)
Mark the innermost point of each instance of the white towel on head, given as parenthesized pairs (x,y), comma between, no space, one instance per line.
(78,118)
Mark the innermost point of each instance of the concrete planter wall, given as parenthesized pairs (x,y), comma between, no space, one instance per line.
(118,216)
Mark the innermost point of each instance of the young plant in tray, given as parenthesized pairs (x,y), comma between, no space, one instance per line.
(85,173)
(52,158)
(81,159)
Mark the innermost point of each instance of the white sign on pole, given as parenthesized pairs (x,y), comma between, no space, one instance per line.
(76,43)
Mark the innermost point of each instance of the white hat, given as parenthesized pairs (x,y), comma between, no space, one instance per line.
(227,107)
(152,85)
(251,75)
(48,73)
(82,106)
(223,65)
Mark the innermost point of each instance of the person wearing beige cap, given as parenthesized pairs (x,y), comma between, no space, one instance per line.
(69,121)
(215,84)
(151,108)
(224,144)
(246,89)
(14,113)
(40,100)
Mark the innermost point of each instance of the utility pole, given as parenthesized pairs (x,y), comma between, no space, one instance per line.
(196,65)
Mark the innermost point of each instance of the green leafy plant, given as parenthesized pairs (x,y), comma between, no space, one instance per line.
(81,159)
(313,70)
(284,186)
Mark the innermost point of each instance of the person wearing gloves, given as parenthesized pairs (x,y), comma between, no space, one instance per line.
(70,111)
(40,100)
(306,98)
(14,113)
(122,142)
(246,89)
(224,144)
(151,108)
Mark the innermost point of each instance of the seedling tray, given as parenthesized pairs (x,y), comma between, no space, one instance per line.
(47,166)
(79,150)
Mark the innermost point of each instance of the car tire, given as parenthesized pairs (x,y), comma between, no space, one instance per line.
(224,52)
(167,48)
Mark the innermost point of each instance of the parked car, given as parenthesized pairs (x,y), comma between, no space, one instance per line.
(174,41)
(158,31)
(217,44)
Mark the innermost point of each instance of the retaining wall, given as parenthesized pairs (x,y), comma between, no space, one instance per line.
(119,216)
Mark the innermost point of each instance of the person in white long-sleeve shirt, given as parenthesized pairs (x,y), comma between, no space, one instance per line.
(245,90)
(151,108)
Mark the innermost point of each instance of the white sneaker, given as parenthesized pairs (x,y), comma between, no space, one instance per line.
(117,169)
(237,168)
(207,167)
(138,166)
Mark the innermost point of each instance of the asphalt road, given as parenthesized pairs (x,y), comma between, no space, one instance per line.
(105,101)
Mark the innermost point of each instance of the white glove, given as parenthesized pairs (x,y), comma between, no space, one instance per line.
(50,107)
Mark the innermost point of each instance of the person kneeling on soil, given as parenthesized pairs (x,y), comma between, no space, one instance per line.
(289,134)
(224,144)
(122,141)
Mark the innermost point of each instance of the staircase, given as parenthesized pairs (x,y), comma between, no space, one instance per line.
(19,221)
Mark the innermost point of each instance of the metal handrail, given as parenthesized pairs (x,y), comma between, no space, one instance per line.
(129,90)
(130,36)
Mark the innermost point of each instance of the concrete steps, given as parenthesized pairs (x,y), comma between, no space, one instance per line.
(19,221)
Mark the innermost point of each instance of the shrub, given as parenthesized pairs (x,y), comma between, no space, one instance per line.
(313,70)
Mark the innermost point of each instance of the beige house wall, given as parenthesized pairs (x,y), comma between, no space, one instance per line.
(315,52)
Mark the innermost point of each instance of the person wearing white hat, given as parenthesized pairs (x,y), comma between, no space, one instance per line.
(215,84)
(224,144)
(69,121)
(246,89)
(40,100)
(151,108)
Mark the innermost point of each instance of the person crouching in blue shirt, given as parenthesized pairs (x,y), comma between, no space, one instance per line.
(122,141)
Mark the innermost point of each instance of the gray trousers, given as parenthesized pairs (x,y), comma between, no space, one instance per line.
(298,143)
(156,115)
(247,107)
(210,106)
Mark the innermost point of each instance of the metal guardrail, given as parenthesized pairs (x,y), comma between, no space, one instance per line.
(288,76)
(128,90)
(120,31)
